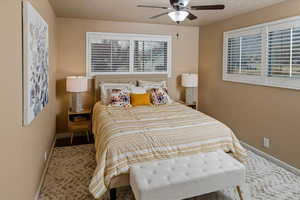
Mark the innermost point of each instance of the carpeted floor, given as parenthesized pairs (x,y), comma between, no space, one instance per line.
(71,169)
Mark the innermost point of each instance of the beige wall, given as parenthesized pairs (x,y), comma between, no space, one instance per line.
(71,36)
(22,148)
(253,112)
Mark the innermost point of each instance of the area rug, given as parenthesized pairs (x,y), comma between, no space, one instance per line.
(71,169)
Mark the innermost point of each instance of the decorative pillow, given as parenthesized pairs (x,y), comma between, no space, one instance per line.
(160,96)
(119,97)
(138,90)
(140,99)
(107,87)
(152,84)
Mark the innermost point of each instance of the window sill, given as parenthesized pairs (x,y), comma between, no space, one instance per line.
(267,81)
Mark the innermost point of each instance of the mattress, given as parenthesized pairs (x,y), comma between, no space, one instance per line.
(126,136)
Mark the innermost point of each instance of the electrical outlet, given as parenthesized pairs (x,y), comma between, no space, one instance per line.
(45,156)
(266,142)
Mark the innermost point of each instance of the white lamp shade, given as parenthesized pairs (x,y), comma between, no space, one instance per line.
(77,84)
(189,80)
(178,16)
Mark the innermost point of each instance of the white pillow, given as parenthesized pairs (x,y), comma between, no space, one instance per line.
(106,87)
(152,84)
(138,90)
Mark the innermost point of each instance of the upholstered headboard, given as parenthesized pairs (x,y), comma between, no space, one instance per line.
(124,79)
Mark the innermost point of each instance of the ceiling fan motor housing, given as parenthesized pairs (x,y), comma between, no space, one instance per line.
(180,3)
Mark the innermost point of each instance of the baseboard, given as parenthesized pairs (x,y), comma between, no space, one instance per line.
(272,159)
(45,170)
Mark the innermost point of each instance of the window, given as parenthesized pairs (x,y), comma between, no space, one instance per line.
(244,55)
(284,52)
(266,54)
(150,56)
(110,56)
(109,53)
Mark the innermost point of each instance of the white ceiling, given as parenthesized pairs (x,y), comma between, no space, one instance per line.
(126,10)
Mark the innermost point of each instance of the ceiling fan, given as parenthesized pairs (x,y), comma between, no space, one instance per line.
(179,10)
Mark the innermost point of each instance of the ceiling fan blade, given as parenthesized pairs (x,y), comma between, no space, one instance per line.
(145,6)
(156,16)
(208,7)
(192,16)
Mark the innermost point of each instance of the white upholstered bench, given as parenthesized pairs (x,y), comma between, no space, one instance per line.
(187,176)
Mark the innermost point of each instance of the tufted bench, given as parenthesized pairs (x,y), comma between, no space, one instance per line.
(187,176)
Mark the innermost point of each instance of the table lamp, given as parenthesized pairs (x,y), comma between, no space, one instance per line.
(76,85)
(190,82)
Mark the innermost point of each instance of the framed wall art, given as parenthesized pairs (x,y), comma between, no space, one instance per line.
(35,63)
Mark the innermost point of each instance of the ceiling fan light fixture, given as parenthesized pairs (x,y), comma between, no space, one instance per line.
(178,16)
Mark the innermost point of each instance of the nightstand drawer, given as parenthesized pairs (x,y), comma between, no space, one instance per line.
(79,118)
(79,126)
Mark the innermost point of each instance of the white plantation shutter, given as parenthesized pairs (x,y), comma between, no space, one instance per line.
(150,56)
(244,54)
(251,57)
(111,53)
(110,56)
(284,53)
(296,53)
(279,53)
(234,55)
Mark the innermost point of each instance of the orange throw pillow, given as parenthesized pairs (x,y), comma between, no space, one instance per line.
(140,99)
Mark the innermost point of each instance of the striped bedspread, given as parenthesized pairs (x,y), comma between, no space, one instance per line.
(133,135)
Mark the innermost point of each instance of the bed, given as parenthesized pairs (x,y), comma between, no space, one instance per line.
(126,136)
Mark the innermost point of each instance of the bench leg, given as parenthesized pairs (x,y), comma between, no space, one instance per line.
(239,192)
(113,194)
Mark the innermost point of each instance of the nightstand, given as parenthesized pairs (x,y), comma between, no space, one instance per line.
(80,122)
(194,106)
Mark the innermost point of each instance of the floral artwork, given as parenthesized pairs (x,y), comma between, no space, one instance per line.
(35,67)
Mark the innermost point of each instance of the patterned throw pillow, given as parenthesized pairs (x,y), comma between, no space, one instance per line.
(119,97)
(160,96)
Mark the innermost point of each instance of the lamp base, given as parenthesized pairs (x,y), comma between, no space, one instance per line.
(190,96)
(76,102)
